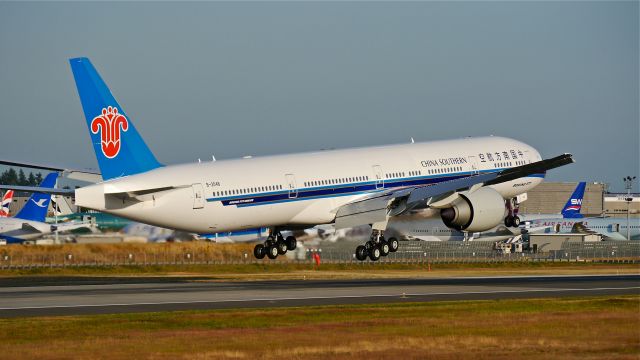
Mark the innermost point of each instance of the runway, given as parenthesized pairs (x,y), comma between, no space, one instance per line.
(79,296)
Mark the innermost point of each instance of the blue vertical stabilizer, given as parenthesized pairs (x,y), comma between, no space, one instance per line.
(572,208)
(38,204)
(119,148)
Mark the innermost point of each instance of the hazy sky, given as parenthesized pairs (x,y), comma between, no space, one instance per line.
(233,79)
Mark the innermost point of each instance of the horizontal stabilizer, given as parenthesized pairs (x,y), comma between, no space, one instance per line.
(29,228)
(37,189)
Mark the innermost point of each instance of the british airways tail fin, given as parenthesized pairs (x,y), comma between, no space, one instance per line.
(119,148)
(6,203)
(36,207)
(572,208)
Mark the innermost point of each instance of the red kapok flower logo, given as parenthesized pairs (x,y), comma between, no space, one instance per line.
(109,125)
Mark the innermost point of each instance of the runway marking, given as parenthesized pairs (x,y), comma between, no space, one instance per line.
(315,298)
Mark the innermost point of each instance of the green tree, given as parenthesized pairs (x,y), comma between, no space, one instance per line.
(31,180)
(11,177)
(22,179)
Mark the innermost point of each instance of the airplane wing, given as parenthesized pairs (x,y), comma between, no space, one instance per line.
(580,228)
(88,175)
(37,189)
(380,206)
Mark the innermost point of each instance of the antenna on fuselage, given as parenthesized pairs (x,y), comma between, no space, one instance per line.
(412,141)
(213,158)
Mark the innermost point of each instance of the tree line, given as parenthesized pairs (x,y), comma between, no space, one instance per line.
(13,177)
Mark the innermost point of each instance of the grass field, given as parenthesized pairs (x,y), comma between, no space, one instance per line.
(575,328)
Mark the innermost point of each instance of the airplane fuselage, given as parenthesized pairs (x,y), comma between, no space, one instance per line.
(612,228)
(16,230)
(298,190)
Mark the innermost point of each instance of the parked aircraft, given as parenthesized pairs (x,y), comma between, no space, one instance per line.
(6,203)
(571,221)
(29,223)
(609,227)
(467,179)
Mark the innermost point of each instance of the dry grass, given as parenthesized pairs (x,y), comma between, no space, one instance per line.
(266,269)
(110,253)
(584,328)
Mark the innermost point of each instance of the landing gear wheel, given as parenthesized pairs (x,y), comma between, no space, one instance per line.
(516,221)
(282,247)
(393,245)
(374,253)
(291,242)
(361,253)
(384,248)
(508,221)
(259,251)
(272,252)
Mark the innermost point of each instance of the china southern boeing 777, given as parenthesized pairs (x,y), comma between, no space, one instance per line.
(471,181)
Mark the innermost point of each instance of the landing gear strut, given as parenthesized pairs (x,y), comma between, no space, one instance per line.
(377,247)
(275,245)
(512,218)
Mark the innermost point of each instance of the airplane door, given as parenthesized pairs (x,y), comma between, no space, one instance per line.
(291,184)
(198,196)
(474,164)
(377,172)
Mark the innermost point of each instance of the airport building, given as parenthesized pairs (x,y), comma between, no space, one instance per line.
(550,197)
(617,205)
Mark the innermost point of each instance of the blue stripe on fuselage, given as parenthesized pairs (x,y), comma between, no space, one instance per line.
(337,190)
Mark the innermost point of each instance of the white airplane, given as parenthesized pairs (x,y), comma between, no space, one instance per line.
(467,180)
(571,221)
(29,223)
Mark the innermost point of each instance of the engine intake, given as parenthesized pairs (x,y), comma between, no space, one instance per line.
(474,212)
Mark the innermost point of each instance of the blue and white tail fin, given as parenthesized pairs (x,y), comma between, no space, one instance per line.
(119,148)
(6,203)
(38,204)
(572,208)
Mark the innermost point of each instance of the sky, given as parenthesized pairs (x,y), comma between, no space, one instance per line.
(258,78)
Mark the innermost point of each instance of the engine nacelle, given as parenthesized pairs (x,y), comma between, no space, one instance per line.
(474,212)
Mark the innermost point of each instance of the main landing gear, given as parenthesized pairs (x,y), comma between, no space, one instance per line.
(275,245)
(377,247)
(512,219)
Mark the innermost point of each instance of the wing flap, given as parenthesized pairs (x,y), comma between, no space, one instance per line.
(368,211)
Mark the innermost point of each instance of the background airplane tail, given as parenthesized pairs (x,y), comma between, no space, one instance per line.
(38,204)
(6,203)
(119,148)
(574,204)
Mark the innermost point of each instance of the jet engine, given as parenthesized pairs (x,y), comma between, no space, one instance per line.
(478,211)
